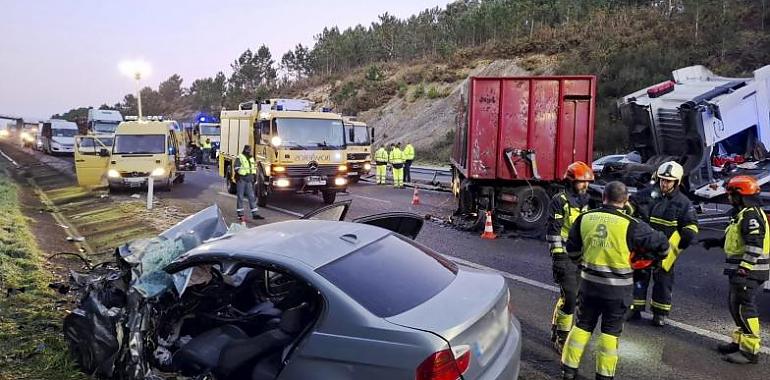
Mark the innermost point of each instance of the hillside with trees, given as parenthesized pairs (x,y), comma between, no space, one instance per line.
(628,44)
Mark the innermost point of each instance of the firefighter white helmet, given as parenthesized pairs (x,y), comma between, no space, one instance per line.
(670,170)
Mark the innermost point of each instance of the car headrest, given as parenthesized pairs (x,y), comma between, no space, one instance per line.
(293,320)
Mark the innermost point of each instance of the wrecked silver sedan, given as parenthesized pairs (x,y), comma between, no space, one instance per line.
(303,299)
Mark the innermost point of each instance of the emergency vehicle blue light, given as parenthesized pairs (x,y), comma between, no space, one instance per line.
(279,107)
(202,119)
(326,109)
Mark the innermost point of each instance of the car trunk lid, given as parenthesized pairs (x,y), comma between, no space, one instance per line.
(472,312)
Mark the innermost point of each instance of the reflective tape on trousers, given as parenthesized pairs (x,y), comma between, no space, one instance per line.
(607,281)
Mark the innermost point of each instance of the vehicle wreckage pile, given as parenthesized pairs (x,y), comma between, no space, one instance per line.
(134,320)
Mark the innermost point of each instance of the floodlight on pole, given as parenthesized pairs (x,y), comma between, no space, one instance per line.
(136,69)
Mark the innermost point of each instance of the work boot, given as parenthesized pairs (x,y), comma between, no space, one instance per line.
(740,357)
(728,348)
(658,320)
(634,315)
(256,216)
(602,377)
(568,373)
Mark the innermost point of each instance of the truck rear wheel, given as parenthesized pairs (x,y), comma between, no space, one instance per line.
(531,211)
(329,197)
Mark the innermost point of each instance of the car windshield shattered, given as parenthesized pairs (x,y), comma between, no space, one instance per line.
(134,320)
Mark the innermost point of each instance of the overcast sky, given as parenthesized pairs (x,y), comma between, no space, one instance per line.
(57,55)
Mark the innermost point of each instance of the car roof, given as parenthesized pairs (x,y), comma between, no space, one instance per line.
(312,242)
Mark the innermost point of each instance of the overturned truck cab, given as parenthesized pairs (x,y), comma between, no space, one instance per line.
(716,127)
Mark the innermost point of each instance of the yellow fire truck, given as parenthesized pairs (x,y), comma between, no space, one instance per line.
(359,138)
(296,149)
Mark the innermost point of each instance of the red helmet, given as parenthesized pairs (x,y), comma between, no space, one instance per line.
(579,171)
(743,185)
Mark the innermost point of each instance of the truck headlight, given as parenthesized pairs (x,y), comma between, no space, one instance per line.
(367,166)
(342,168)
(112,173)
(282,182)
(279,169)
(339,181)
(276,141)
(4,133)
(158,172)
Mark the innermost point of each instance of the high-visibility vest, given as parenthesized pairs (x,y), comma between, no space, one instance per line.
(206,145)
(396,156)
(381,156)
(409,152)
(605,248)
(567,216)
(248,165)
(739,254)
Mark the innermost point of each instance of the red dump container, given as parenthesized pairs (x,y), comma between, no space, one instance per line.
(545,123)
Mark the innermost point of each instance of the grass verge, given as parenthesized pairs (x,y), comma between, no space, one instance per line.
(31,341)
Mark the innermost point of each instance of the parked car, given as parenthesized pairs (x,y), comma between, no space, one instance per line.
(313,298)
(599,164)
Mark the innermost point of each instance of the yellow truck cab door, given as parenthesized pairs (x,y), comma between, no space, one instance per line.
(92,159)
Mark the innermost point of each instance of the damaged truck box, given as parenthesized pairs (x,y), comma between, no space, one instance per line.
(716,127)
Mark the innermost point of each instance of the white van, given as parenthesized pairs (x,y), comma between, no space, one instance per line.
(58,136)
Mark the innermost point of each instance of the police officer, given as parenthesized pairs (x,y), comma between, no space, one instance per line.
(601,241)
(408,159)
(381,163)
(245,174)
(565,208)
(669,211)
(206,151)
(746,243)
(396,159)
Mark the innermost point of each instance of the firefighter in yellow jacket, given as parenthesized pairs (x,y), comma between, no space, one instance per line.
(566,206)
(746,243)
(601,242)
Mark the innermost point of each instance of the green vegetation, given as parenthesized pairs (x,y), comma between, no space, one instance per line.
(31,342)
(440,152)
(628,44)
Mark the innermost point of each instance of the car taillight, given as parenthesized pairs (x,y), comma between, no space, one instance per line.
(445,365)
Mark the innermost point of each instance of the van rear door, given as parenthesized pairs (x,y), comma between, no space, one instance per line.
(92,159)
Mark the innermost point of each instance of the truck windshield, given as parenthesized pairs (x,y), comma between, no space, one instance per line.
(209,131)
(64,132)
(310,133)
(140,144)
(103,127)
(357,135)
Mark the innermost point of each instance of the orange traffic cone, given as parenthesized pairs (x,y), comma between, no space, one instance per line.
(415,197)
(489,233)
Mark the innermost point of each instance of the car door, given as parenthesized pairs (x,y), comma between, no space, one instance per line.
(404,223)
(335,212)
(92,158)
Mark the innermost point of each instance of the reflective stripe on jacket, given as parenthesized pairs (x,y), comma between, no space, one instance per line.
(245,166)
(396,156)
(565,207)
(381,156)
(747,243)
(602,241)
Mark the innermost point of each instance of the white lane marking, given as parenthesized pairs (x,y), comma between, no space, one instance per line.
(538,284)
(283,210)
(369,198)
(9,159)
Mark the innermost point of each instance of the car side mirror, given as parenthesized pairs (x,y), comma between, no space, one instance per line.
(372,136)
(104,152)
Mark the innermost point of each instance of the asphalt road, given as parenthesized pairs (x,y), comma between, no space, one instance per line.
(681,351)
(684,351)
